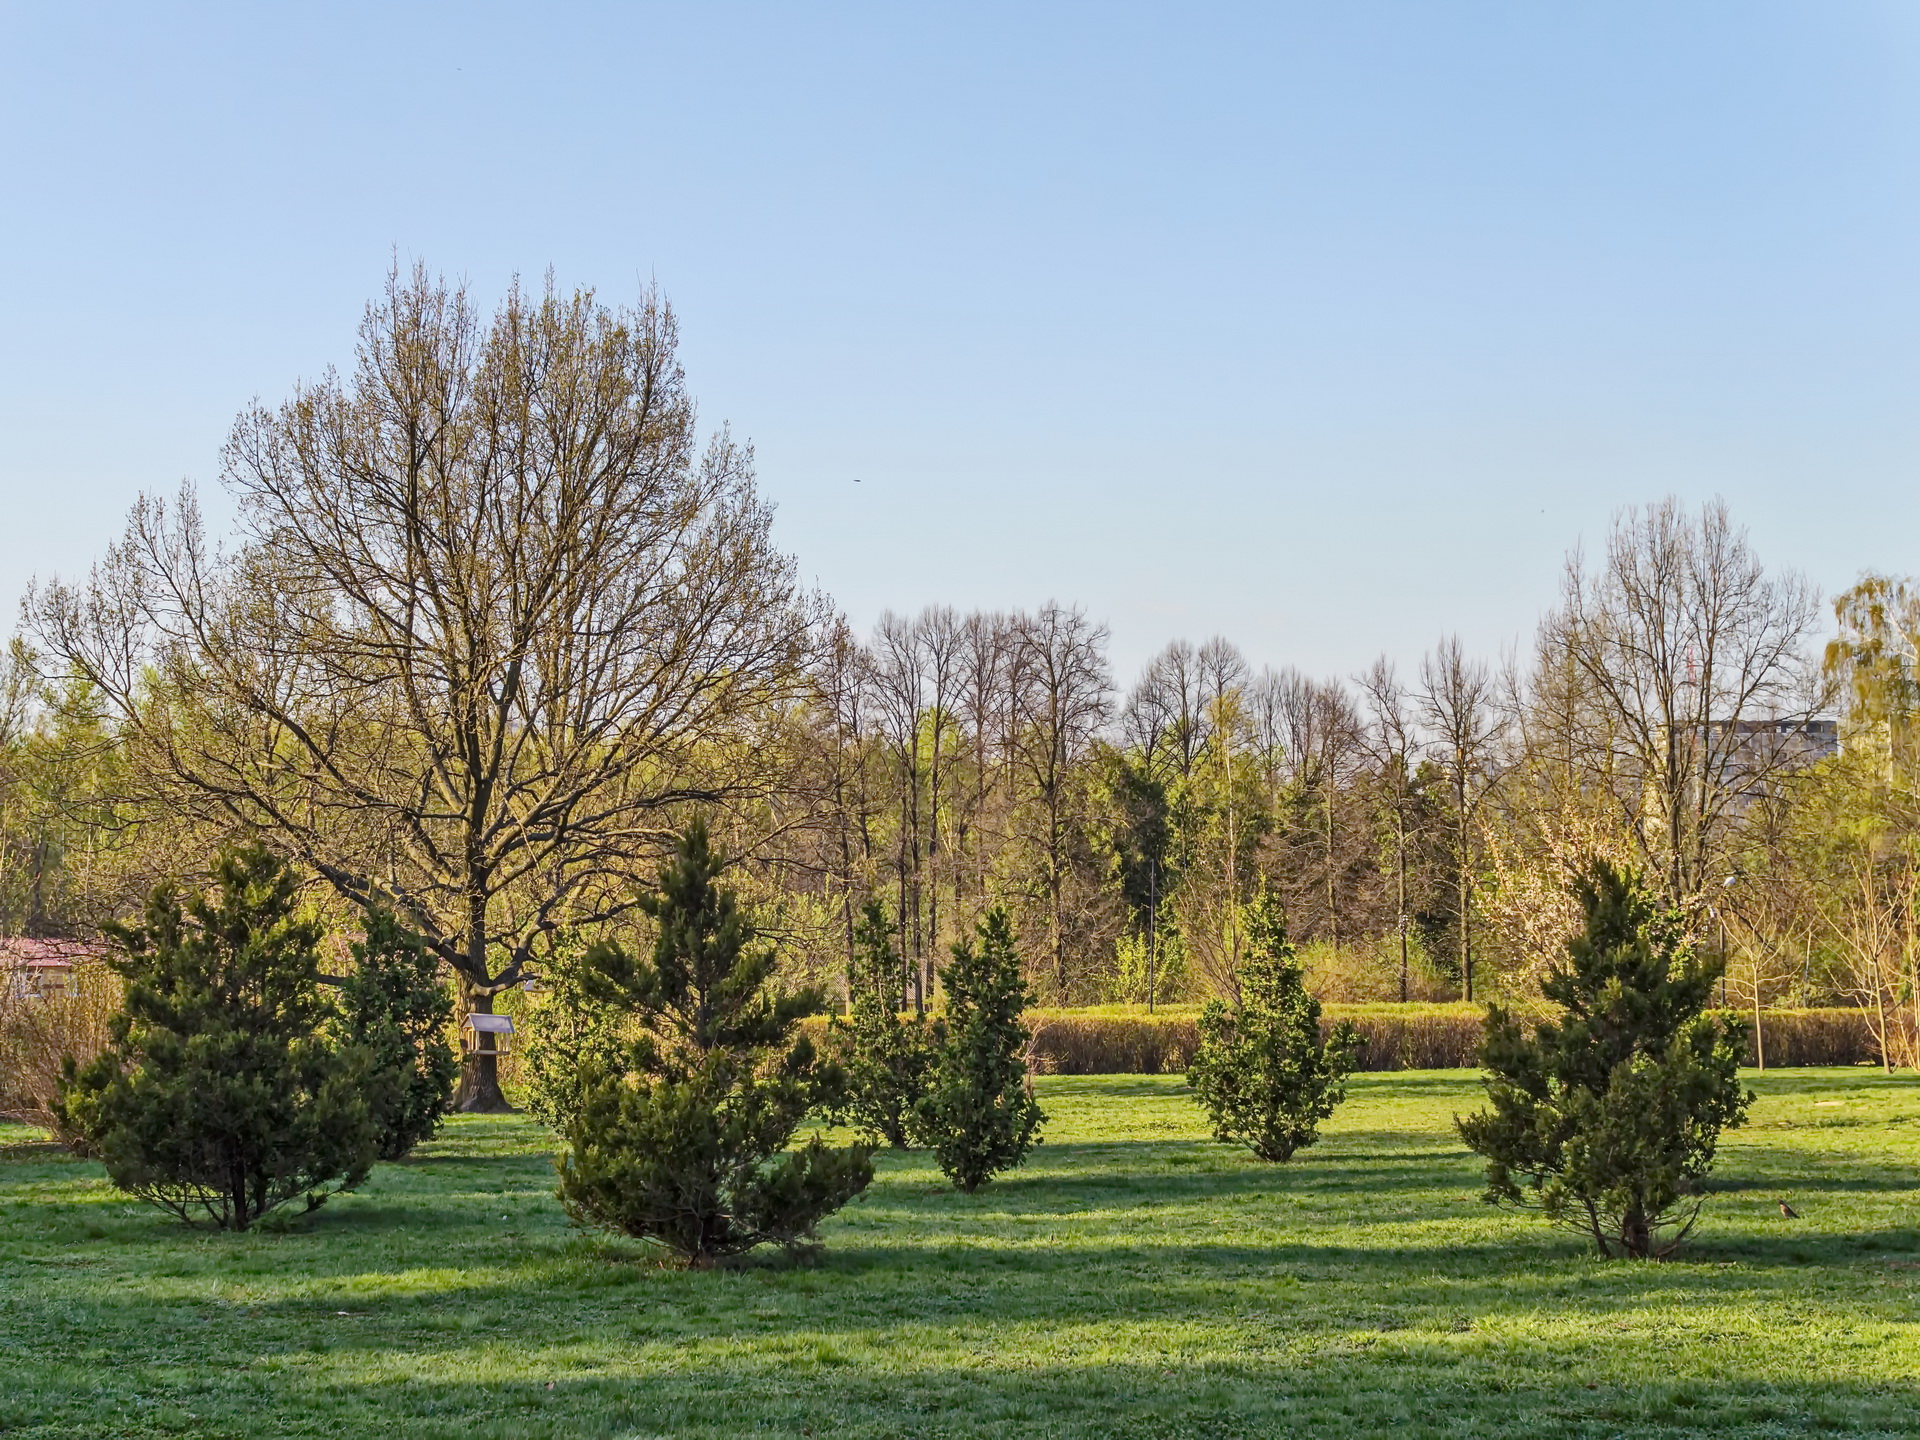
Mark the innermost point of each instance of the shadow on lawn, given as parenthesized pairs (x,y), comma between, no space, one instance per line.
(1422,1382)
(936,1281)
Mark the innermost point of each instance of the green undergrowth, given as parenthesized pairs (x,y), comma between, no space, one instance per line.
(1134,1279)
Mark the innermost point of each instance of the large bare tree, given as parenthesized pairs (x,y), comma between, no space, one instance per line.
(491,611)
(1693,685)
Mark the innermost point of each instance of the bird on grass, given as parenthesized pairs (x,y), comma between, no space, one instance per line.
(1788,1211)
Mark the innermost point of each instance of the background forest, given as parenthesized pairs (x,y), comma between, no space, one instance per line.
(486,691)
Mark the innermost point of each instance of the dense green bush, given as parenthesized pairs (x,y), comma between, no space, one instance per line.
(685,1139)
(1264,1074)
(222,1095)
(980,1116)
(887,1058)
(395,1006)
(1607,1118)
(568,1034)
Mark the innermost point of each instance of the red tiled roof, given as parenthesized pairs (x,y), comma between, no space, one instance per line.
(18,952)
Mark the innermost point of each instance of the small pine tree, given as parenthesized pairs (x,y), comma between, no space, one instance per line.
(888,1060)
(686,1143)
(1607,1119)
(980,1116)
(572,1031)
(1263,1073)
(395,1006)
(221,1094)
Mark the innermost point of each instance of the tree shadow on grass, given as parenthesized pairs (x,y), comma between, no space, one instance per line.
(1408,1384)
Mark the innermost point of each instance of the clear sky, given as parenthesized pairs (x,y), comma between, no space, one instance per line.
(1327,327)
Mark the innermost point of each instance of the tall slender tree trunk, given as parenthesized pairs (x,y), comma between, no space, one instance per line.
(1333,901)
(1463,890)
(1055,907)
(1153,916)
(1400,840)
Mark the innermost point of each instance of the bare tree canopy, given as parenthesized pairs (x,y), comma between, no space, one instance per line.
(490,610)
(1691,686)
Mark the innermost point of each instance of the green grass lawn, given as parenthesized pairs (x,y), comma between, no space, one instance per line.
(1134,1279)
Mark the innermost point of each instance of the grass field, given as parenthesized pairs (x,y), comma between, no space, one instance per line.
(1135,1279)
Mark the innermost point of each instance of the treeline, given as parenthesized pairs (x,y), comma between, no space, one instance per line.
(1675,714)
(497,621)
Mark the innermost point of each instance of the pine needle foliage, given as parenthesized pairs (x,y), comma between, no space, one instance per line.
(573,1030)
(1608,1117)
(1261,1071)
(687,1141)
(888,1058)
(222,1095)
(980,1116)
(395,1006)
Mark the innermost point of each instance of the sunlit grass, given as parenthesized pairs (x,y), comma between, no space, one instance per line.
(1135,1279)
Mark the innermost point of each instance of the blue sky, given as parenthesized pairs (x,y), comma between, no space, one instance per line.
(1325,327)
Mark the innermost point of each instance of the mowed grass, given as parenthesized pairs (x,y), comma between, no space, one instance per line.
(1135,1279)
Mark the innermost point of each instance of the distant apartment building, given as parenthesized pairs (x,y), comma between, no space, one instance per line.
(1757,751)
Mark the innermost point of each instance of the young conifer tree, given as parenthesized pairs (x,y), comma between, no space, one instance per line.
(979,1116)
(686,1142)
(1607,1118)
(1263,1073)
(571,1033)
(394,1004)
(222,1095)
(888,1059)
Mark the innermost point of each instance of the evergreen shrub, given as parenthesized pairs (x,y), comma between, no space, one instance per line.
(684,1139)
(223,1093)
(1263,1072)
(571,1033)
(395,1006)
(1607,1117)
(980,1116)
(887,1057)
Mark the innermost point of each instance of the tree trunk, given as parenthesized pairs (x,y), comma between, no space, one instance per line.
(1636,1238)
(1400,836)
(479,1089)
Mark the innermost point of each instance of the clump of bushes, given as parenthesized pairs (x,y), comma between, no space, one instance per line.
(684,1139)
(225,1091)
(1264,1074)
(1607,1117)
(38,1032)
(979,1114)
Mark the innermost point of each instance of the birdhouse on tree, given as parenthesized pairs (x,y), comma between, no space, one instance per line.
(486,1035)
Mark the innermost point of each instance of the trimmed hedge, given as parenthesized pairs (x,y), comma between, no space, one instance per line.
(1816,1037)
(1117,1040)
(1412,1037)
